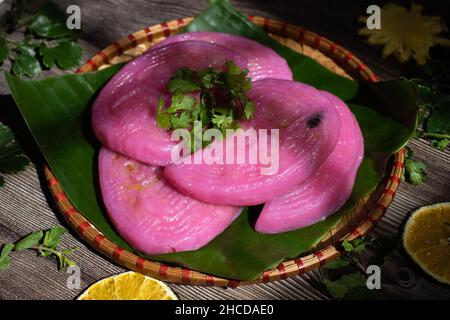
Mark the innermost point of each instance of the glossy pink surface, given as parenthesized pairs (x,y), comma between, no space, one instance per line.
(327,190)
(123,115)
(263,62)
(150,214)
(308,126)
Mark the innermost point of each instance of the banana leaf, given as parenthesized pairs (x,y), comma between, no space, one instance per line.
(57,111)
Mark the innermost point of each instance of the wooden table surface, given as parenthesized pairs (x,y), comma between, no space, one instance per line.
(25,204)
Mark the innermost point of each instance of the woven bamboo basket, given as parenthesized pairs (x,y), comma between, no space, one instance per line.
(354,224)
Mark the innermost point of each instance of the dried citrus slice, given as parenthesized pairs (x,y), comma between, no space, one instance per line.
(128,286)
(426,239)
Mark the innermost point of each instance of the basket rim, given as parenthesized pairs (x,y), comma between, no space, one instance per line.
(89,233)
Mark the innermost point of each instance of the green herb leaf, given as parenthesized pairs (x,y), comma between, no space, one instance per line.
(12,158)
(67,54)
(3,49)
(441,144)
(182,121)
(439,121)
(4,256)
(26,64)
(414,170)
(347,245)
(31,240)
(181,102)
(249,109)
(222,121)
(50,22)
(162,118)
(342,286)
(52,236)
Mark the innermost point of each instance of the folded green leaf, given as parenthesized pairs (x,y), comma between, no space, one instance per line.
(4,256)
(52,236)
(33,239)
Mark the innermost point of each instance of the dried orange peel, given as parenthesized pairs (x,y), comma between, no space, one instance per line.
(406,33)
(128,286)
(426,239)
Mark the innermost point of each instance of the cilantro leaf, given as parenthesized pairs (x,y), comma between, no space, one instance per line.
(52,236)
(230,87)
(31,240)
(249,109)
(342,286)
(414,170)
(181,102)
(45,242)
(4,256)
(11,157)
(50,22)
(26,64)
(439,121)
(222,121)
(67,54)
(182,121)
(441,144)
(162,118)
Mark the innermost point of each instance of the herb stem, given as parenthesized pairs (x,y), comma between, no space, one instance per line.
(41,248)
(436,135)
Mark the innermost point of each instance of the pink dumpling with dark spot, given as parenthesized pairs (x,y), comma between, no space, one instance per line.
(327,190)
(308,125)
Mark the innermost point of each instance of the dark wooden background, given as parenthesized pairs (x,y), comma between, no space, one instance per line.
(25,205)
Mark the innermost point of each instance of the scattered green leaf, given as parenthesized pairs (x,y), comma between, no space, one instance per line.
(29,241)
(415,171)
(45,242)
(12,159)
(46,31)
(342,286)
(50,22)
(26,64)
(67,54)
(53,236)
(434,94)
(4,256)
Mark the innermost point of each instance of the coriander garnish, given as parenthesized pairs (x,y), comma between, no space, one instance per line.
(218,99)
(44,242)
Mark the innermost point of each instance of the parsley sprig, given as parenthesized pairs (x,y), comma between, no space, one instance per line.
(44,242)
(47,40)
(415,171)
(217,99)
(434,103)
(345,277)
